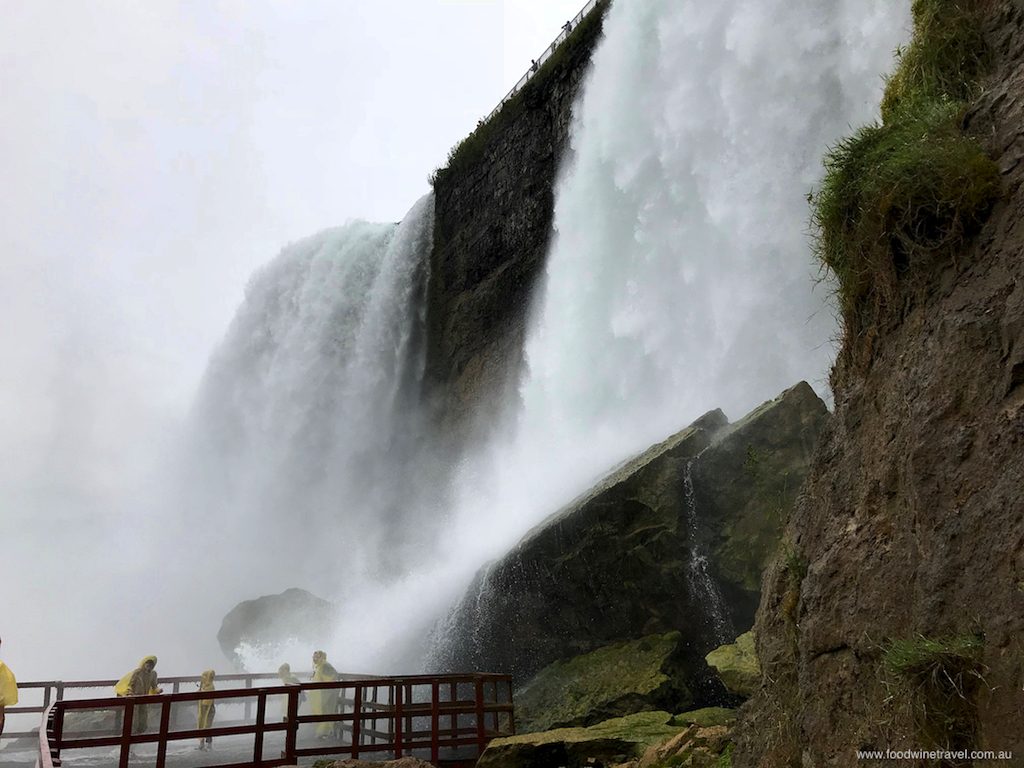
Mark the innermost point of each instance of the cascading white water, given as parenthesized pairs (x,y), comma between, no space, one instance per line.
(679,279)
(680,276)
(705,589)
(308,437)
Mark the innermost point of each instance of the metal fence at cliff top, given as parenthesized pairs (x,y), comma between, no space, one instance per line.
(539,61)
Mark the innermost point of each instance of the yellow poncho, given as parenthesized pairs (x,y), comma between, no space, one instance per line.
(139,682)
(8,687)
(206,706)
(324,702)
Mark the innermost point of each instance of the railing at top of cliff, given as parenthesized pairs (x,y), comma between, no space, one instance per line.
(544,56)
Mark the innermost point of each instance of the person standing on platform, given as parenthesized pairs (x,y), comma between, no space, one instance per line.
(8,690)
(207,708)
(141,681)
(324,701)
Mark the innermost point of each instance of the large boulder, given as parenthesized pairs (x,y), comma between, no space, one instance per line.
(737,665)
(275,620)
(673,540)
(613,741)
(616,680)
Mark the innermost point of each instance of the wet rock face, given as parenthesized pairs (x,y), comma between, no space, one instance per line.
(737,666)
(613,681)
(492,224)
(275,620)
(618,564)
(911,520)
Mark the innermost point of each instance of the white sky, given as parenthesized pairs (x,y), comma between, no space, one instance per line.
(153,154)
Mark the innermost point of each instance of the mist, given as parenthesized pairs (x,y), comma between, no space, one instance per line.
(190,421)
(154,156)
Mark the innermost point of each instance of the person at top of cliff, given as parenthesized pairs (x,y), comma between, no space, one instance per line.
(533,65)
(8,690)
(324,701)
(567,27)
(207,709)
(141,681)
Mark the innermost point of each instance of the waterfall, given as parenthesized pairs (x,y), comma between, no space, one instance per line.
(703,586)
(679,279)
(310,437)
(680,276)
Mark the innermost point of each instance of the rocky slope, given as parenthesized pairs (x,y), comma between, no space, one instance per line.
(492,221)
(898,619)
(630,558)
(275,620)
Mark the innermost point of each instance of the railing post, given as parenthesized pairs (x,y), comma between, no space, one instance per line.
(165,722)
(511,710)
(398,720)
(291,735)
(46,697)
(126,732)
(409,730)
(248,703)
(435,722)
(357,714)
(481,737)
(60,690)
(58,726)
(453,718)
(176,688)
(261,716)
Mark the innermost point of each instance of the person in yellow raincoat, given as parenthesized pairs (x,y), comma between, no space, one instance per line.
(324,701)
(8,690)
(207,709)
(141,681)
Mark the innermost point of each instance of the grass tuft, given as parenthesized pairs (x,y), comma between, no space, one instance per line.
(944,60)
(939,676)
(900,197)
(794,564)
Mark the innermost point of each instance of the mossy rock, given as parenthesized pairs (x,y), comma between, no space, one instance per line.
(706,717)
(612,681)
(737,665)
(616,740)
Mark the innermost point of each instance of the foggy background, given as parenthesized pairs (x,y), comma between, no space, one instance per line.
(153,155)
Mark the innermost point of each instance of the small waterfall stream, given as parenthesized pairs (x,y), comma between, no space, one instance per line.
(703,586)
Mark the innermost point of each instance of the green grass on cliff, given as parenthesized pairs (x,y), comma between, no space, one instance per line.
(944,60)
(938,677)
(903,195)
(471,149)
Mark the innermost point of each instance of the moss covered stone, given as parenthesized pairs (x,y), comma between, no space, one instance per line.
(706,717)
(737,665)
(615,680)
(616,740)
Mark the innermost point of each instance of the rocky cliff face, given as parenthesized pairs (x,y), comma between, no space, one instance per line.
(638,554)
(275,620)
(493,220)
(898,620)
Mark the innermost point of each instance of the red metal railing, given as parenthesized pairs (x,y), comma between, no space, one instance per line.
(56,690)
(446,719)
